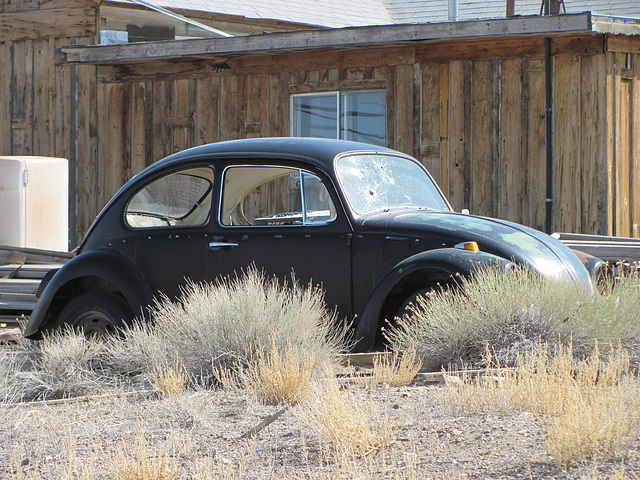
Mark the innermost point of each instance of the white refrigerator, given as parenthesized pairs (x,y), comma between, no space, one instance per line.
(34,202)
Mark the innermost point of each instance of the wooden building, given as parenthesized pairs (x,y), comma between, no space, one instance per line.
(469,99)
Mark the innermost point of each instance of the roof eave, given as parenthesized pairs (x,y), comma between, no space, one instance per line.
(371,36)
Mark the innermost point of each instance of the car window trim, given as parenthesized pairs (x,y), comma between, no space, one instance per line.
(162,174)
(262,164)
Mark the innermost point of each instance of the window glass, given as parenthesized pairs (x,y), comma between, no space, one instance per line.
(268,196)
(178,199)
(376,182)
(315,116)
(365,117)
(354,115)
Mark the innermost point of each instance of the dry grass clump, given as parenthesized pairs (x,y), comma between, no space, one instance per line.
(512,313)
(170,381)
(140,463)
(396,369)
(353,427)
(63,364)
(273,376)
(225,324)
(590,408)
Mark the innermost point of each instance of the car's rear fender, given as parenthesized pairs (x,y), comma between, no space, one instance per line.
(98,271)
(420,271)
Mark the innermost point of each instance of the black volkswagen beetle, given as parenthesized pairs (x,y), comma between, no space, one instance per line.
(369,224)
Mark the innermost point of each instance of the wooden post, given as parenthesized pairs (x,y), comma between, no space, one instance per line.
(511,8)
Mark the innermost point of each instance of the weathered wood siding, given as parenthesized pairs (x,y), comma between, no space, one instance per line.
(38,111)
(473,112)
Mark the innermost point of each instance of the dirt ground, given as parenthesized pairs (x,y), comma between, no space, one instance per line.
(200,431)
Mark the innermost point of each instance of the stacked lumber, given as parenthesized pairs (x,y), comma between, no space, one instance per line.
(21,272)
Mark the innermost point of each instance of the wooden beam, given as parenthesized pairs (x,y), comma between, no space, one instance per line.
(332,38)
(13,7)
(62,22)
(262,64)
(516,47)
(622,43)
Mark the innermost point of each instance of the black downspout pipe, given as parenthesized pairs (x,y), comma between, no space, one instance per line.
(548,78)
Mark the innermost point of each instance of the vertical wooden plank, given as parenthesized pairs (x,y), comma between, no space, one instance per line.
(496,114)
(117,168)
(567,139)
(444,128)
(181,119)
(139,115)
(456,135)
(5,105)
(482,124)
(623,158)
(609,211)
(257,97)
(403,113)
(233,107)
(86,175)
(22,98)
(391,106)
(103,145)
(635,144)
(430,142)
(593,150)
(416,126)
(278,101)
(537,146)
(162,115)
(62,105)
(512,189)
(207,110)
(467,162)
(44,93)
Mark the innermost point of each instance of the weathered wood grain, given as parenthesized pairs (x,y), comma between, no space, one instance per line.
(457,96)
(5,100)
(61,22)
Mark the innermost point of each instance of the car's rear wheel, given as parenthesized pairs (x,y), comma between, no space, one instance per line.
(93,313)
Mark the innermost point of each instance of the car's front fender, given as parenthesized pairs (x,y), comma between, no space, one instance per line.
(100,266)
(449,261)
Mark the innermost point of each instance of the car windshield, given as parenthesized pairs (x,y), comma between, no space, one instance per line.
(377,182)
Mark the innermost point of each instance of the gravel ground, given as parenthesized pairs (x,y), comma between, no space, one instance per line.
(200,431)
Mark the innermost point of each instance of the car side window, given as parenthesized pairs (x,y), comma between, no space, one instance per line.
(269,196)
(179,199)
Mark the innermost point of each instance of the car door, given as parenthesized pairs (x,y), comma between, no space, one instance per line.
(169,219)
(284,221)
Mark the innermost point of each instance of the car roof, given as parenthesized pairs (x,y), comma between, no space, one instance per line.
(318,151)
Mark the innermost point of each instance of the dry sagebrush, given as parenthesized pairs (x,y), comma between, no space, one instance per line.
(225,324)
(63,364)
(512,313)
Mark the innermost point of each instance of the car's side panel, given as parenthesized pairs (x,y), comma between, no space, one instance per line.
(93,269)
(449,261)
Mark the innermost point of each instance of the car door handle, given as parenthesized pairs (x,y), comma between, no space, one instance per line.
(219,245)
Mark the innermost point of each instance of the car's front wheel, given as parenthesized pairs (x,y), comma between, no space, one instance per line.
(93,313)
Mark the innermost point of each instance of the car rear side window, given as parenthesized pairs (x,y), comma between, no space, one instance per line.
(269,196)
(179,199)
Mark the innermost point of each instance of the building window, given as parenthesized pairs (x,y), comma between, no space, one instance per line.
(357,115)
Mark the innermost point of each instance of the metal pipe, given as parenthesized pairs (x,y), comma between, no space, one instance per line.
(511,8)
(548,78)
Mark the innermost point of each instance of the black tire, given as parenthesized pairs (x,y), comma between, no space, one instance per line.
(94,314)
(405,308)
